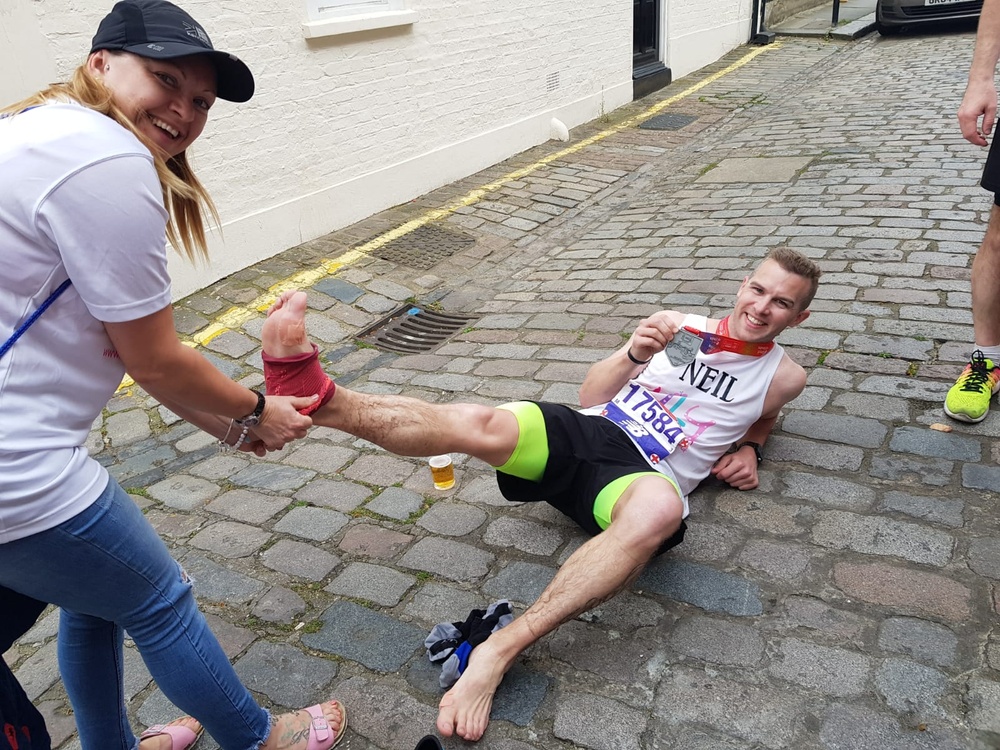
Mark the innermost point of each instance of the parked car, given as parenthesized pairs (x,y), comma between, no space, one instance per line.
(893,16)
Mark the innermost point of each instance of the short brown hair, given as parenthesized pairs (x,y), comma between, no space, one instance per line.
(795,262)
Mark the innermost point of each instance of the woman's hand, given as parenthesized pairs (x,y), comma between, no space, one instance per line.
(255,446)
(281,423)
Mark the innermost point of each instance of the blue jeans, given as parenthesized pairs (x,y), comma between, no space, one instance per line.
(110,572)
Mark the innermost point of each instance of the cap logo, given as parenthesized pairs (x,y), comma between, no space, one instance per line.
(198,33)
(154,47)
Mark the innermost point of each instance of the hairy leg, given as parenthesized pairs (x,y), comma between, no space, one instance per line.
(986,285)
(606,564)
(405,426)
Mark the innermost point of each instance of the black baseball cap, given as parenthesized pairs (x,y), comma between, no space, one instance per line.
(161,31)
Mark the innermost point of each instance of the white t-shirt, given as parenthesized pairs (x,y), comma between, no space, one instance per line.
(79,199)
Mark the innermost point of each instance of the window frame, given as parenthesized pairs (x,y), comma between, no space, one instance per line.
(333,17)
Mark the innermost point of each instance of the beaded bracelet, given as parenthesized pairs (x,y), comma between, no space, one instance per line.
(224,445)
(242,437)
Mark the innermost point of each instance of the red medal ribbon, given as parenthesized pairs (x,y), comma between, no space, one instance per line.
(721,342)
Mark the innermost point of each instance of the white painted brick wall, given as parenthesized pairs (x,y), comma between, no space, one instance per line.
(344,126)
(699,33)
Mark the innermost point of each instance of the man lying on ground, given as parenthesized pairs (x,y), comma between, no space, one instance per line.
(661,414)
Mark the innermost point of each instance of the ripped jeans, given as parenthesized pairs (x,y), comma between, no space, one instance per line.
(110,572)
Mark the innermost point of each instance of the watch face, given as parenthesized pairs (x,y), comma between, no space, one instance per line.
(250,421)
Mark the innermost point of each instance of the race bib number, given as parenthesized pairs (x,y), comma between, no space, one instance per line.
(652,428)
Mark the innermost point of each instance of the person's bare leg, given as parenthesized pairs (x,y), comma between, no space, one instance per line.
(986,285)
(405,426)
(606,564)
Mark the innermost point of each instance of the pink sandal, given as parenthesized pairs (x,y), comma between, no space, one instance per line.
(181,737)
(320,736)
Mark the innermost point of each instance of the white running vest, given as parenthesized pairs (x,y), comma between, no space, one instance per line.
(715,399)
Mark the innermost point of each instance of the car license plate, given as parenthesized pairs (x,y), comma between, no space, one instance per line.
(943,2)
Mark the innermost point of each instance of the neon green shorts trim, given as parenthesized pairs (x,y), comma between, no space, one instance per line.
(531,453)
(592,463)
(608,497)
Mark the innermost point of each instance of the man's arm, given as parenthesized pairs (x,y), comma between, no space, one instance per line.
(606,378)
(980,98)
(739,468)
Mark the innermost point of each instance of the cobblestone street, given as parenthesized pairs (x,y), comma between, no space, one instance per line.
(852,602)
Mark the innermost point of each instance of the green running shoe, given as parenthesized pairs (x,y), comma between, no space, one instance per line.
(969,399)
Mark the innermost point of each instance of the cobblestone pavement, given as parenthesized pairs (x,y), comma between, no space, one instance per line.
(850,603)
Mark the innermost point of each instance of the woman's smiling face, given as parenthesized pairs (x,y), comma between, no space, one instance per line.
(167,100)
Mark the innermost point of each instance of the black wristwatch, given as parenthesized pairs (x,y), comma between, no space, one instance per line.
(253,419)
(756,449)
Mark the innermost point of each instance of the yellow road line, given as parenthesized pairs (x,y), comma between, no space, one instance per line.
(235,317)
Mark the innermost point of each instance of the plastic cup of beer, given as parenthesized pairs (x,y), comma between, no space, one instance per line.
(442,472)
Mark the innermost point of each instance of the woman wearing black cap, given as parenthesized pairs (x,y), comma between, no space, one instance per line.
(94,178)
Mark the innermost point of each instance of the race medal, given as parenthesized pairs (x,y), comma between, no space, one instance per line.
(683,348)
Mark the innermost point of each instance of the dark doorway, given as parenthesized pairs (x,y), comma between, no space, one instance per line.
(645,32)
(648,73)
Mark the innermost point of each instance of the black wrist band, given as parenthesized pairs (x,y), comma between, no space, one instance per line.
(756,449)
(637,361)
(253,419)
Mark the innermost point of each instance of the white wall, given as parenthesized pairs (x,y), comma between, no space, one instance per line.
(699,33)
(342,127)
(26,62)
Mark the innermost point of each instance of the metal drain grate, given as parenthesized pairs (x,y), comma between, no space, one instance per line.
(668,122)
(425,246)
(412,330)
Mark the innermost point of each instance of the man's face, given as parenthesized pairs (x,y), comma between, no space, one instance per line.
(767,303)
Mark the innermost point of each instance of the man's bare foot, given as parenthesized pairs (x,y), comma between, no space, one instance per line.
(291,731)
(291,361)
(163,741)
(284,333)
(465,709)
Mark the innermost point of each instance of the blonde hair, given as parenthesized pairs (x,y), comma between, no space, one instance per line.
(185,198)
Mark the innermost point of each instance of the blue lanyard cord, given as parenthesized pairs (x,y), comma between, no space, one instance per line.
(11,114)
(52,297)
(34,316)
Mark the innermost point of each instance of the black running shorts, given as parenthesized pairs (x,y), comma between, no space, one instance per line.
(586,455)
(991,172)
